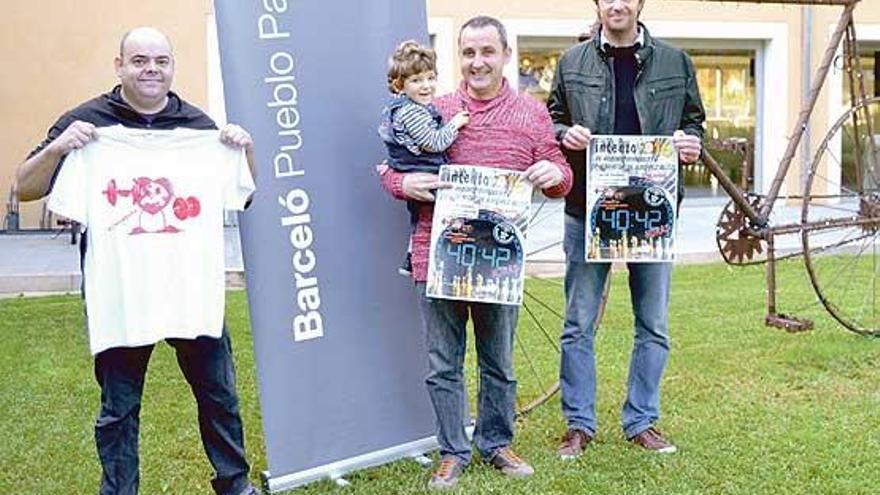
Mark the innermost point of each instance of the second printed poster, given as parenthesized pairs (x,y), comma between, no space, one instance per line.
(632,193)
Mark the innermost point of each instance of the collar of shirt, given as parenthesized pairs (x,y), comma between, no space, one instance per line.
(606,45)
(473,105)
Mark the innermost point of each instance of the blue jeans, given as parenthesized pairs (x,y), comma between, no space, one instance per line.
(207,365)
(649,289)
(446,335)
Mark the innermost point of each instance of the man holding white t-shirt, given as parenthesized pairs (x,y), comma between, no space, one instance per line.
(145,172)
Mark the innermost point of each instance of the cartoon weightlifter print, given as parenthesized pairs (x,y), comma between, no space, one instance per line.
(150,198)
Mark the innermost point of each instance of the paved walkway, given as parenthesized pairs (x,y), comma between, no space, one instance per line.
(695,237)
(45,263)
(39,263)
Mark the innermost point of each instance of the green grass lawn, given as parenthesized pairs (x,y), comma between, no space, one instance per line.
(752,409)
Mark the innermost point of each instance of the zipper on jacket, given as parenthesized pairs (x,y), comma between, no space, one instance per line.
(640,63)
(609,64)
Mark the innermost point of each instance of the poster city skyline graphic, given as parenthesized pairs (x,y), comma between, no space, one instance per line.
(478,235)
(632,193)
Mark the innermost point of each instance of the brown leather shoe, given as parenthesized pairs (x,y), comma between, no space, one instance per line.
(506,461)
(573,444)
(651,439)
(447,474)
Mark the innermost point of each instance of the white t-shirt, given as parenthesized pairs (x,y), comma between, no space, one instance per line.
(153,204)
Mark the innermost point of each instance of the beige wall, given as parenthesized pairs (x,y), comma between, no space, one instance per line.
(60,53)
(58,57)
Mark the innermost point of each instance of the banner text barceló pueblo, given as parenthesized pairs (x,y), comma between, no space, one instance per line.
(280,76)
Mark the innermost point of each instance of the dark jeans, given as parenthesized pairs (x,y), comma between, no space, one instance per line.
(207,365)
(446,333)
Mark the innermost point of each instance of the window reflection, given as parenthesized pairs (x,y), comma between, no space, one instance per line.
(538,57)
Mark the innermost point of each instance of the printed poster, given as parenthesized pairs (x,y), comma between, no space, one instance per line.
(632,193)
(478,236)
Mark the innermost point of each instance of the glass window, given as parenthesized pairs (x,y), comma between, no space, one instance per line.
(869,53)
(727,86)
(869,58)
(538,56)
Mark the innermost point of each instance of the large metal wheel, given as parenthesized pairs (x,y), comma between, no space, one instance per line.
(841,220)
(537,362)
(536,353)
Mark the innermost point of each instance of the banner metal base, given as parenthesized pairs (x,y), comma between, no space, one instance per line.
(338,469)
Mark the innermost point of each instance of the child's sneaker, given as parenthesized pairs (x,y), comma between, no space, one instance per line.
(406,267)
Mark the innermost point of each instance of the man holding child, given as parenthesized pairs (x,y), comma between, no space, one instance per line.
(505,130)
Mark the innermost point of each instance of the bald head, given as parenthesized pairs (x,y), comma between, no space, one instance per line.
(145,67)
(144,34)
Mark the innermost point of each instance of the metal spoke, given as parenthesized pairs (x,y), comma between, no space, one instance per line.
(529,360)
(535,214)
(844,241)
(542,249)
(539,323)
(837,280)
(837,184)
(822,249)
(548,215)
(840,165)
(837,208)
(544,305)
(871,283)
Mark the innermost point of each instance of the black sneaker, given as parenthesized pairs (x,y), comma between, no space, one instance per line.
(406,267)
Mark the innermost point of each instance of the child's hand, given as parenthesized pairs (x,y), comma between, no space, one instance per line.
(461,119)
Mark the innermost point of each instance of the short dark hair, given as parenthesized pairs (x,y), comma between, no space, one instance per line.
(482,21)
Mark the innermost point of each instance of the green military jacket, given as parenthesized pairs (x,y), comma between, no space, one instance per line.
(666,96)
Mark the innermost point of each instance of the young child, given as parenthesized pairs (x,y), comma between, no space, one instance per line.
(411,127)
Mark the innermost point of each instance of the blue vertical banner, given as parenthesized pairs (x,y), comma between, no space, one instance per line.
(337,336)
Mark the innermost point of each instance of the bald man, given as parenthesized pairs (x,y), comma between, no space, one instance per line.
(143,99)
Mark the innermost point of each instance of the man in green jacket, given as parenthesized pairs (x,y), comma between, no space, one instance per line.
(622,82)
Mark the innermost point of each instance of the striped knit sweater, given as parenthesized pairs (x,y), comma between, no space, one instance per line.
(510,131)
(424,134)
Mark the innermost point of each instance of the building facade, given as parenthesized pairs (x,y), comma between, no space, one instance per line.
(755,64)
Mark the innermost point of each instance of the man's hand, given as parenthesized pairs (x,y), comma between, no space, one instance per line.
(420,185)
(35,174)
(576,138)
(235,136)
(543,174)
(688,146)
(77,135)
